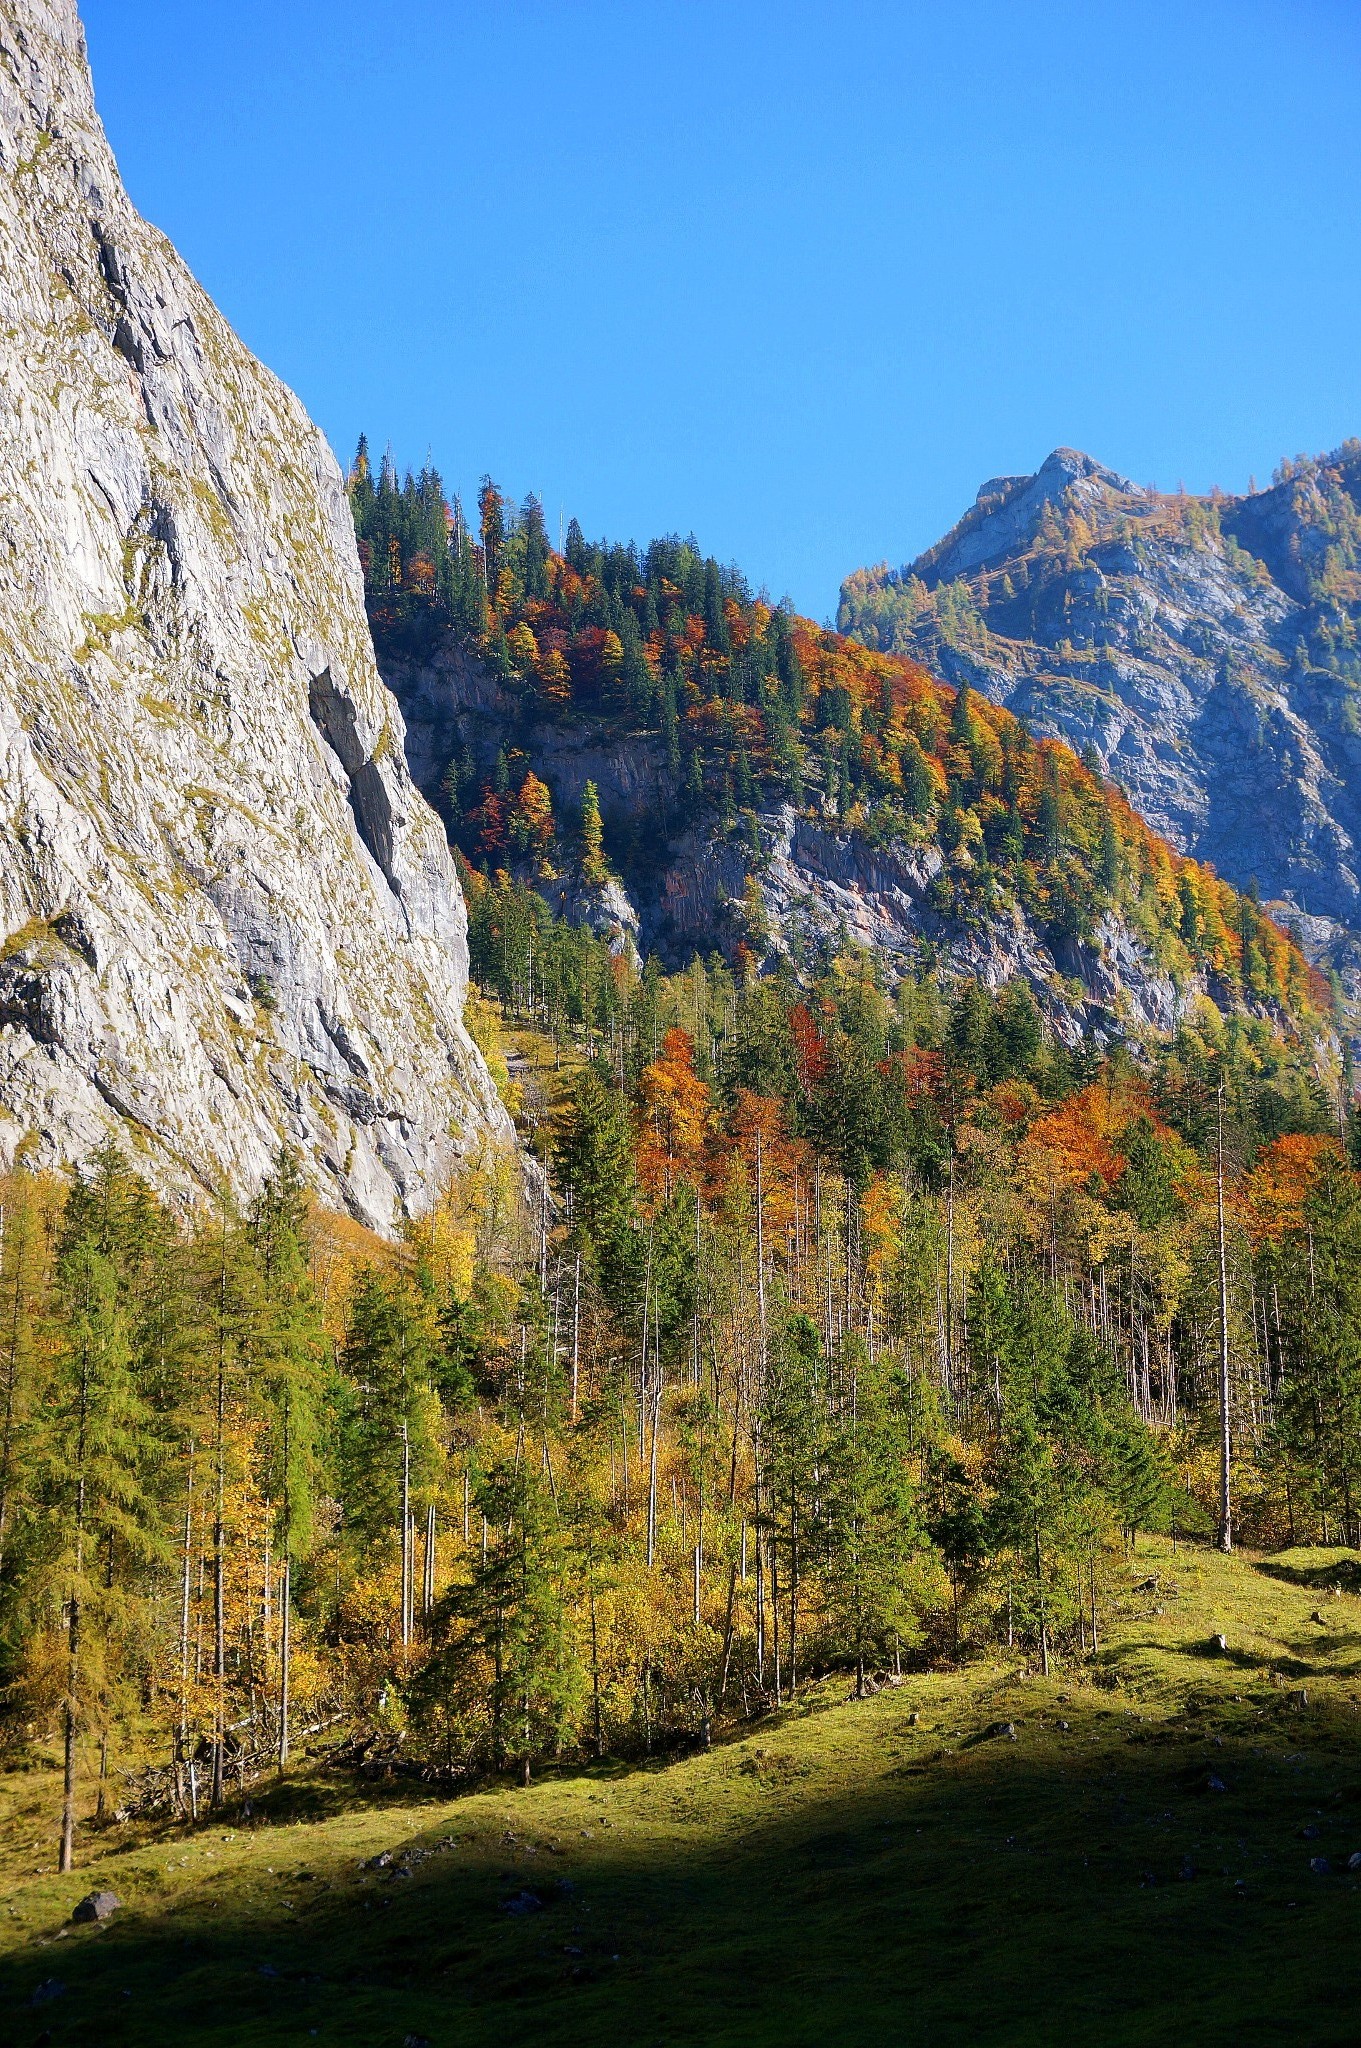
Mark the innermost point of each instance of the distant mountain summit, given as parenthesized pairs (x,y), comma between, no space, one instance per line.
(1205,652)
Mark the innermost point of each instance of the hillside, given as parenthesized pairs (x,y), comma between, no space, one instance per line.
(229,919)
(1167,1835)
(1205,652)
(770,789)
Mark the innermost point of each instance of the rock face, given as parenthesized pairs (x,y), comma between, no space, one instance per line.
(231,919)
(807,888)
(1207,649)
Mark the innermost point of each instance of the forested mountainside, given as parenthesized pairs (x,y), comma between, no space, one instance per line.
(964,1183)
(1205,652)
(673,759)
(230,921)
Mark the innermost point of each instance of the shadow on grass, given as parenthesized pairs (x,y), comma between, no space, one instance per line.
(1066,1884)
(1344,1571)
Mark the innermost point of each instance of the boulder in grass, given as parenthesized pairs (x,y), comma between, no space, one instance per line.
(1320,1866)
(97,1906)
(522,1902)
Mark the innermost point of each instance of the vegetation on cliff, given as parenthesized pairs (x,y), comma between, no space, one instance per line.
(756,705)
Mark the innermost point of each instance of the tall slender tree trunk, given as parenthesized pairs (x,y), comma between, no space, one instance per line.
(220,1537)
(11,1376)
(576,1337)
(68,1782)
(69,1716)
(597,1722)
(728,1629)
(406,1536)
(186,1565)
(1039,1587)
(760,1592)
(285,1656)
(1225,1443)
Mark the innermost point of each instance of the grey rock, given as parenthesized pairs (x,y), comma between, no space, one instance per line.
(522,1902)
(1320,1866)
(818,886)
(1179,639)
(231,919)
(50,1988)
(101,1905)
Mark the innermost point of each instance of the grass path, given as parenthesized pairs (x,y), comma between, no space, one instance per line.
(848,1871)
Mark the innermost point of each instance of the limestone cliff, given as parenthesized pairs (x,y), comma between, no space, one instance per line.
(231,919)
(795,886)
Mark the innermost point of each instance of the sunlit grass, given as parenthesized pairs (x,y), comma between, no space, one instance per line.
(848,1869)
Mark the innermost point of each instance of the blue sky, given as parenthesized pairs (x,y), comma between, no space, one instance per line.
(797,278)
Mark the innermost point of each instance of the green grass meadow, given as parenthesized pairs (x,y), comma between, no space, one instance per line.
(889,1869)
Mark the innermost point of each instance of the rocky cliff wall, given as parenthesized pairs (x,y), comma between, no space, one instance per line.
(229,918)
(808,890)
(1200,647)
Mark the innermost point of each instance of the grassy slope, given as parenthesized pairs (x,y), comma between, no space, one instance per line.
(836,1874)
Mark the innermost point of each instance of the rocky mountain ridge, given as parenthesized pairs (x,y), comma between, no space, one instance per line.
(1205,652)
(231,920)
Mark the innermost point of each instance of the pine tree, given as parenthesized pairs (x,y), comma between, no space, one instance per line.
(593,866)
(92,1525)
(291,1367)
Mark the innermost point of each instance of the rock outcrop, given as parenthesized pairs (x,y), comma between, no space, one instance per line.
(229,917)
(794,885)
(1208,650)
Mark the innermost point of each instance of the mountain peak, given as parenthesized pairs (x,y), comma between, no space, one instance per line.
(1205,648)
(1008,511)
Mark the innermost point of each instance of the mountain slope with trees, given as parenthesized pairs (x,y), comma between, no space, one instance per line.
(768,787)
(1204,652)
